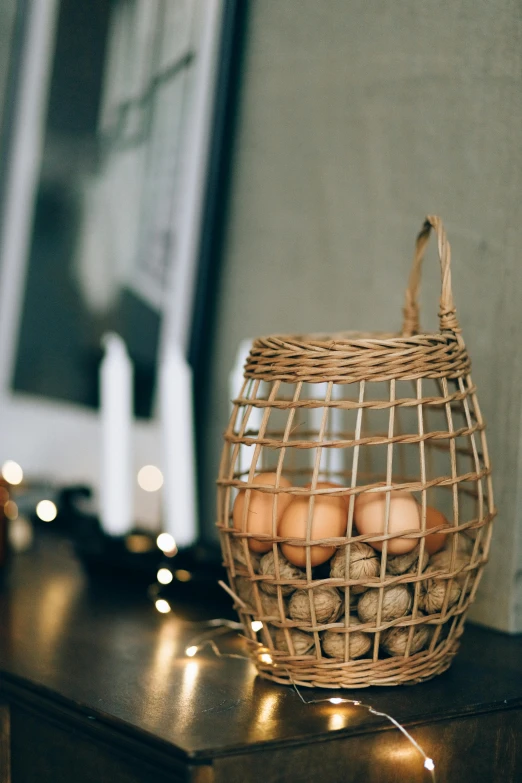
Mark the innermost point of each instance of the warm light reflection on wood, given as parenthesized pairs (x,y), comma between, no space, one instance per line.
(400,752)
(337,720)
(158,674)
(165,651)
(189,679)
(266,707)
(56,605)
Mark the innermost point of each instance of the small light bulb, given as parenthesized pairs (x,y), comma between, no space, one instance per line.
(138,543)
(429,764)
(265,658)
(46,510)
(162,606)
(256,625)
(12,472)
(166,543)
(150,478)
(336,700)
(164,576)
(356,703)
(191,651)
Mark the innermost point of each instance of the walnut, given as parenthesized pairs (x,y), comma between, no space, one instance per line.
(406,563)
(441,561)
(302,642)
(432,593)
(270,605)
(287,571)
(333,642)
(364,563)
(465,544)
(238,553)
(244,590)
(396,603)
(353,598)
(471,535)
(395,640)
(327,604)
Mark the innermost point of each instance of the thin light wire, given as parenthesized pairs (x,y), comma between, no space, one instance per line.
(197,644)
(216,630)
(428,762)
(215,649)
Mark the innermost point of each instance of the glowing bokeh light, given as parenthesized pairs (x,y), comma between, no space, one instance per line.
(164,576)
(429,764)
(46,510)
(265,658)
(256,625)
(20,534)
(11,510)
(162,606)
(166,543)
(138,543)
(12,472)
(336,701)
(150,478)
(191,651)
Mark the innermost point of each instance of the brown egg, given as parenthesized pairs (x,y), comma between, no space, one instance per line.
(435,542)
(329,485)
(260,508)
(328,521)
(370,518)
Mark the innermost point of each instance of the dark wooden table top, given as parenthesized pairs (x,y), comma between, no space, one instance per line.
(107,654)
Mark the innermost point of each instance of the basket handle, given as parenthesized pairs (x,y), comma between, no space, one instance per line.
(447,317)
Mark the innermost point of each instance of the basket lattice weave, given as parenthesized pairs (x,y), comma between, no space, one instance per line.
(369,413)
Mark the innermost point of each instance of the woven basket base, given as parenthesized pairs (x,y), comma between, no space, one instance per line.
(360,674)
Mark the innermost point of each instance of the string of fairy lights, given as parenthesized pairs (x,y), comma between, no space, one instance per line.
(213,629)
(218,627)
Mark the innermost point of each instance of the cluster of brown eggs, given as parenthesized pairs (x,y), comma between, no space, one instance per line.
(329,519)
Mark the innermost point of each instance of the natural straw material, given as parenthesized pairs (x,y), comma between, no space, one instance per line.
(337,416)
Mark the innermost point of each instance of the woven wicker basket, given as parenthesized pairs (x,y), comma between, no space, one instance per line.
(369,413)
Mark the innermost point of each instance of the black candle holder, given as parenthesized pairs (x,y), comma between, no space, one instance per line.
(136,556)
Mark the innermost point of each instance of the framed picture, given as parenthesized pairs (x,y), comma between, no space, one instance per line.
(110,174)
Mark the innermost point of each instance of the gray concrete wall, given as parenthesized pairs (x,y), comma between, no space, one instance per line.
(356,119)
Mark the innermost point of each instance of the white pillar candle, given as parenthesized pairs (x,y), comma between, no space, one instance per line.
(332,460)
(335,428)
(179,465)
(236,380)
(116,485)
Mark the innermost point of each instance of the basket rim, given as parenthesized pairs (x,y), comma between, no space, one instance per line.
(335,341)
(347,357)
